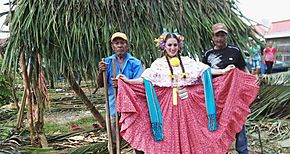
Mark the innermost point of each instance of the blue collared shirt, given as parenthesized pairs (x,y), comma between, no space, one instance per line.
(131,68)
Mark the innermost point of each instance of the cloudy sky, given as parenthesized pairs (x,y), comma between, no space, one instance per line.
(257,10)
(272,10)
(3,9)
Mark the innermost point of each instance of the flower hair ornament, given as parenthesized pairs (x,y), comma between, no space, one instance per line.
(160,42)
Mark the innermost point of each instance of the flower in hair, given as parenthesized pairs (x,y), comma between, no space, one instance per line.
(180,37)
(157,40)
(160,42)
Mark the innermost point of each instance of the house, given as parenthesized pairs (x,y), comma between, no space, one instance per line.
(279,33)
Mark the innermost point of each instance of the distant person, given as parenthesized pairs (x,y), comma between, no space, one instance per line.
(269,56)
(255,58)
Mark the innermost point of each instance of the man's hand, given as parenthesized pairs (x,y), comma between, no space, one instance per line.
(103,65)
(115,82)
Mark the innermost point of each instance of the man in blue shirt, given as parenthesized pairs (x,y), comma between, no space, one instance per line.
(126,64)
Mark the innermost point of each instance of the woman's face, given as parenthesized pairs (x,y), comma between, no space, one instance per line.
(171,47)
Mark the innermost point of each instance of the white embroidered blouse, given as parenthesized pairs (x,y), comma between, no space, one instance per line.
(159,73)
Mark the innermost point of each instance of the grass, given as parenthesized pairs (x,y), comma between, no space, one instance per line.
(52,128)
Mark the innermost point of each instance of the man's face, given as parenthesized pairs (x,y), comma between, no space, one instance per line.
(120,47)
(220,40)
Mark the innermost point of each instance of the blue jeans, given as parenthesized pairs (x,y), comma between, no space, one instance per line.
(242,142)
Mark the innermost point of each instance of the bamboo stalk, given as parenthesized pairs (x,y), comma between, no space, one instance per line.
(118,141)
(108,120)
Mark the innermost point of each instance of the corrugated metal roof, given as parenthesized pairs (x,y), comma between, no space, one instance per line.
(279,29)
(277,35)
(280,26)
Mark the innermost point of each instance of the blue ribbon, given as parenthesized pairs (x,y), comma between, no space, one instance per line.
(154,111)
(210,100)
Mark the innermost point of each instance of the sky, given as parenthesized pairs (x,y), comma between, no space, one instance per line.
(3,8)
(260,11)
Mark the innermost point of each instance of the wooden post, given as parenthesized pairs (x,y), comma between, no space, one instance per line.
(108,120)
(118,141)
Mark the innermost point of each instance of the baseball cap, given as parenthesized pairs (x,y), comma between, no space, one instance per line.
(120,35)
(219,27)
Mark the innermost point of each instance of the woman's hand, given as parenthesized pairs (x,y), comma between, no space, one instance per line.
(130,81)
(122,77)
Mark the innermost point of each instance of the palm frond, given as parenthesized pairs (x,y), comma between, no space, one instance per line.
(74,35)
(274,97)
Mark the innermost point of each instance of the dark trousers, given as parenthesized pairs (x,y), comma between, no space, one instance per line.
(242,142)
(269,65)
(138,152)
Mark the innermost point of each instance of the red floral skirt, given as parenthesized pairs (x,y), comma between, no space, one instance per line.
(185,125)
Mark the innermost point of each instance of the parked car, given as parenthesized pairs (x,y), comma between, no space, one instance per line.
(280,66)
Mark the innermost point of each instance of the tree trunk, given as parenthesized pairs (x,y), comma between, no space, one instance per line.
(28,100)
(21,111)
(85,100)
(15,97)
(41,93)
(39,118)
(23,100)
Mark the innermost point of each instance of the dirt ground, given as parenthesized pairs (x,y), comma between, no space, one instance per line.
(73,115)
(64,117)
